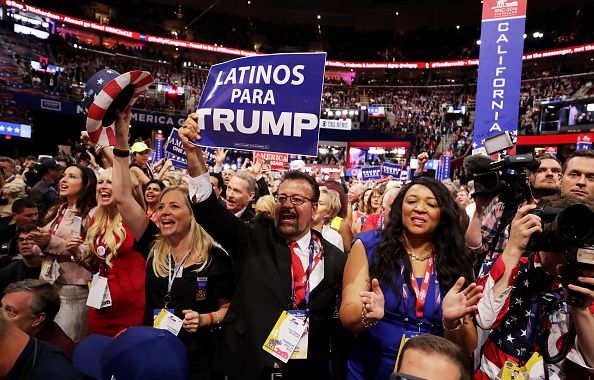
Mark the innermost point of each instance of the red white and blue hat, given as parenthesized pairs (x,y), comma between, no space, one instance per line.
(106,92)
(137,353)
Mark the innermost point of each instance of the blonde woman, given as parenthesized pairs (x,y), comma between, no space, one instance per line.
(109,252)
(337,223)
(323,216)
(186,274)
(265,205)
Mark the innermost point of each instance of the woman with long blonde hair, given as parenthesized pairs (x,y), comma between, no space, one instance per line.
(189,279)
(109,253)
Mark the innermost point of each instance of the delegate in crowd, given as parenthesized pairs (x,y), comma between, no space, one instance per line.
(369,264)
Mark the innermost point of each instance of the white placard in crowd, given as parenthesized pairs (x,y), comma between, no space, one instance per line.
(344,125)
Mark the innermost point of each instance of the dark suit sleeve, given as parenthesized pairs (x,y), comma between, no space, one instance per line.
(222,225)
(262,187)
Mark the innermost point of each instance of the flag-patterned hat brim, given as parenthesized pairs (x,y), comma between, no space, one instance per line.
(105,134)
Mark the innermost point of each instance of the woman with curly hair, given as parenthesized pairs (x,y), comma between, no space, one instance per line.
(421,261)
(60,266)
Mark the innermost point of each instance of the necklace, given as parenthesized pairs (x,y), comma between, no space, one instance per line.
(420,258)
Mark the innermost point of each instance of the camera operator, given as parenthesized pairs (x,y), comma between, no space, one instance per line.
(519,286)
(484,224)
(578,175)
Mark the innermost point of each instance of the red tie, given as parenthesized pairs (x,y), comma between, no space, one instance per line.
(298,274)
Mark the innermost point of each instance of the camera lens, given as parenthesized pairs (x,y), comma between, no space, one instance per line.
(575,224)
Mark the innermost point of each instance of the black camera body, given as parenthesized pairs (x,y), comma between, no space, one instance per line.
(569,230)
(507,178)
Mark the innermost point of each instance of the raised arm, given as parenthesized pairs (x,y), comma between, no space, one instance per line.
(219,222)
(133,214)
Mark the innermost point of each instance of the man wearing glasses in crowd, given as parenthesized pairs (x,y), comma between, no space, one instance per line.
(278,264)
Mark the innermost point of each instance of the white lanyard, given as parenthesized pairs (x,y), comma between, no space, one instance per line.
(171,277)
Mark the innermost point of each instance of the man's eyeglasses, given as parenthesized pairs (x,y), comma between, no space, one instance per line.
(296,200)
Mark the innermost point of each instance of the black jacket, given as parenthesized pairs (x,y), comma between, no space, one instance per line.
(263,267)
(248,214)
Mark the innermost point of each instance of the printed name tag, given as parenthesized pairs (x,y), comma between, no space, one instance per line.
(99,295)
(50,269)
(284,337)
(301,349)
(168,321)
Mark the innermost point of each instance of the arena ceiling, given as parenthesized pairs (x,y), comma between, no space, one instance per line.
(399,15)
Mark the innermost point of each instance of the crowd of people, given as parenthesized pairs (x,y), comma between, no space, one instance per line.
(215,256)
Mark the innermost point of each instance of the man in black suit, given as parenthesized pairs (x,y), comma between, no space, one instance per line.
(265,267)
(240,192)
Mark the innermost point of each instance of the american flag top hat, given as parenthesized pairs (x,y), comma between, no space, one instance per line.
(106,92)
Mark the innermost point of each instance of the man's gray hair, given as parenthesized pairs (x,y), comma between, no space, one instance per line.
(389,196)
(251,182)
(9,160)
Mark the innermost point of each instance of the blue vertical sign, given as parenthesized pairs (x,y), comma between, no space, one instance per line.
(159,150)
(500,70)
(446,162)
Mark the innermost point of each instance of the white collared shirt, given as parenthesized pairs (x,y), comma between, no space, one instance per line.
(302,251)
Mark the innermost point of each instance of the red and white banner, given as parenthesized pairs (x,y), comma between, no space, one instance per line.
(276,161)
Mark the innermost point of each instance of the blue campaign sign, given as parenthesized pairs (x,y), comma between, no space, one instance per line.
(371,172)
(393,170)
(500,70)
(177,162)
(175,148)
(174,144)
(268,103)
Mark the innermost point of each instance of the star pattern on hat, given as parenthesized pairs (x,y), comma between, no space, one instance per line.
(100,81)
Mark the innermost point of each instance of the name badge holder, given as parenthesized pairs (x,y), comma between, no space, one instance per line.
(165,319)
(289,337)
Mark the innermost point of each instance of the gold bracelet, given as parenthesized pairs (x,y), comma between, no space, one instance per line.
(365,321)
(461,322)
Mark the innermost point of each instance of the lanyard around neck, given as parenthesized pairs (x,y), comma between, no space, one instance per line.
(172,276)
(314,259)
(421,294)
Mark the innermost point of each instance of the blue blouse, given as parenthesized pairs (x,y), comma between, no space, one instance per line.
(374,352)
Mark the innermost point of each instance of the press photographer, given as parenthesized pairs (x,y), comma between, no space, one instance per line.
(526,299)
(497,191)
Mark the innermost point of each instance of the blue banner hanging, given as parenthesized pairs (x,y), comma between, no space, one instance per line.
(500,70)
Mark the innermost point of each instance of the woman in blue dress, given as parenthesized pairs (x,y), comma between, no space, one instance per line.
(414,277)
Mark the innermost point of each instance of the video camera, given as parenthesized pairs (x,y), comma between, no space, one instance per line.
(569,230)
(506,177)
